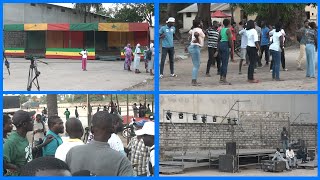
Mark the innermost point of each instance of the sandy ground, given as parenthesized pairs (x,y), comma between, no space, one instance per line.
(63,75)
(293,79)
(246,172)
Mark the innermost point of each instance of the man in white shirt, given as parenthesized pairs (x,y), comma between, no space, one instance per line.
(147,133)
(38,130)
(75,130)
(84,54)
(291,157)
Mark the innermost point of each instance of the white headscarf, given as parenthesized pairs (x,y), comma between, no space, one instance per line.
(151,45)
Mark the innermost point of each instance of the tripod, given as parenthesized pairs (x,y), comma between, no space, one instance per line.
(33,75)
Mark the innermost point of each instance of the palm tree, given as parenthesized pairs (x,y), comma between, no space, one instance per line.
(86,8)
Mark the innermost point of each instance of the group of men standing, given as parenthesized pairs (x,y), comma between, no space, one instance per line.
(70,156)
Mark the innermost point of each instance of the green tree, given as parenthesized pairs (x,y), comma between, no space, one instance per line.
(43,99)
(86,8)
(290,15)
(24,98)
(145,10)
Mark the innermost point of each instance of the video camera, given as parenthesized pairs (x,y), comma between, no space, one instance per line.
(29,57)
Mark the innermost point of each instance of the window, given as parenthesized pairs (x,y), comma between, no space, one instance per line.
(48,7)
(189,14)
(63,10)
(308,14)
(32,4)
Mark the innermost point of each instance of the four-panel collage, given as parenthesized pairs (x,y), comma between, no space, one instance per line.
(156,89)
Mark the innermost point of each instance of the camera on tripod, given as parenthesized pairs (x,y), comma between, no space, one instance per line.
(33,73)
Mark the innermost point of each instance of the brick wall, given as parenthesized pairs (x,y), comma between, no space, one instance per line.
(14,39)
(257,130)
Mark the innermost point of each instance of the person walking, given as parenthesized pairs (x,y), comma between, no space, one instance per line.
(84,54)
(252,49)
(302,40)
(311,48)
(276,48)
(128,57)
(137,54)
(225,42)
(167,33)
(197,40)
(213,37)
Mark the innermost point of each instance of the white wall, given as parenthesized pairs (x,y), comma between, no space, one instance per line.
(220,104)
(187,21)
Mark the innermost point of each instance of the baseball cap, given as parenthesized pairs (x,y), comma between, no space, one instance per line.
(21,116)
(147,129)
(171,19)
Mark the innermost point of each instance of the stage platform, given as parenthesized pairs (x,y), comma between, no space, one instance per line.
(180,161)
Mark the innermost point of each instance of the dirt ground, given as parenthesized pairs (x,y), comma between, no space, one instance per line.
(293,79)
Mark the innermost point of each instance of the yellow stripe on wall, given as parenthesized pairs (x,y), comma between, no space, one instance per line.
(35,27)
(115,27)
(67,53)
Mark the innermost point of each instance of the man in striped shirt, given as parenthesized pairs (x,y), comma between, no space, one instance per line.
(213,36)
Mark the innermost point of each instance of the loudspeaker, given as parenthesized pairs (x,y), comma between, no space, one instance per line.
(228,163)
(231,148)
(11,102)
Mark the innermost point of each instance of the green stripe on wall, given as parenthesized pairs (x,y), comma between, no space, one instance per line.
(69,49)
(13,27)
(14,48)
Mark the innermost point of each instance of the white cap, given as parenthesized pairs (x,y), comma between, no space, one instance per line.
(171,19)
(151,45)
(148,129)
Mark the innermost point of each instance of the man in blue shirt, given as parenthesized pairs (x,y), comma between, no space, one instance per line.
(265,42)
(167,33)
(55,128)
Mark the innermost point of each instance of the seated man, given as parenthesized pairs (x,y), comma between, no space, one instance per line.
(291,158)
(277,156)
(301,154)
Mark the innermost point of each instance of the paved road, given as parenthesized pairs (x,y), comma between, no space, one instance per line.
(67,75)
(294,80)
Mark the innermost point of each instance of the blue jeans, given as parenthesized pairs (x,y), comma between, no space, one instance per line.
(310,54)
(276,58)
(224,57)
(194,50)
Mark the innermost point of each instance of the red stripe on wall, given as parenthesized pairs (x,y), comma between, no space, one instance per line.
(58,27)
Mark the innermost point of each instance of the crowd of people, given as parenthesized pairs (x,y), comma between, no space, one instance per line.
(50,154)
(225,39)
(135,56)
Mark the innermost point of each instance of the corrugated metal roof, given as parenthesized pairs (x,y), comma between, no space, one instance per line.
(214,6)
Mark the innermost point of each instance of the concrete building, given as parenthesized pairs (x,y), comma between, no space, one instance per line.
(190,12)
(21,13)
